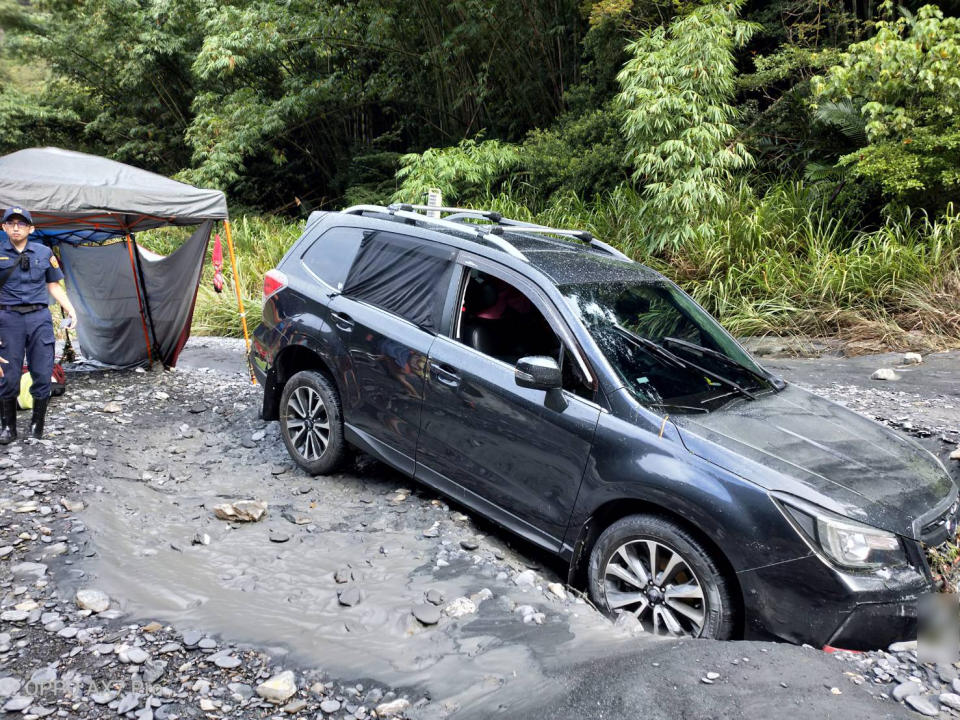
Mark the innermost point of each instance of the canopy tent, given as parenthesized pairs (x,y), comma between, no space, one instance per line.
(91,207)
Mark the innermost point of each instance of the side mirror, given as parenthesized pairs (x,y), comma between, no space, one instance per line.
(538,372)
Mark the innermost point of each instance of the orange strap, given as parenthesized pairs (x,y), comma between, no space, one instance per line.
(143,317)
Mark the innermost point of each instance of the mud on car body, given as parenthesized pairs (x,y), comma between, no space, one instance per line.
(587,404)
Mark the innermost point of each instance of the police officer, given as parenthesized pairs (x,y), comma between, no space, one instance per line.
(28,272)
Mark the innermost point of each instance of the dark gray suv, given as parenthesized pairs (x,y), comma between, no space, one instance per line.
(587,404)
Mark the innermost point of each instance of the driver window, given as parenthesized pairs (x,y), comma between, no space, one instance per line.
(498,320)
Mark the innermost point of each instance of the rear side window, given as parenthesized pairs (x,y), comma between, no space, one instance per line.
(402,275)
(331,255)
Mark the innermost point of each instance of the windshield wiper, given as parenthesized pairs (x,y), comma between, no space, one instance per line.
(651,347)
(710,352)
(678,407)
(664,354)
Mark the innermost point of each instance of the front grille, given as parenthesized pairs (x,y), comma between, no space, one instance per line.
(942,528)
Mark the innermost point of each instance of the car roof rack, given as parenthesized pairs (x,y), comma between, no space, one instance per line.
(501,224)
(407,212)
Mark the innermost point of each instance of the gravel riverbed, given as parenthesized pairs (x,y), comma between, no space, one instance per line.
(359,595)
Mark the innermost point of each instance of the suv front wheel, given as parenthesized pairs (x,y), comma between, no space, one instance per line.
(311,422)
(656,571)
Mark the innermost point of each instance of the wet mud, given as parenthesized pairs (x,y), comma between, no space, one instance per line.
(279,583)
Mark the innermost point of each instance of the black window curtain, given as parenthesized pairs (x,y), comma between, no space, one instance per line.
(402,275)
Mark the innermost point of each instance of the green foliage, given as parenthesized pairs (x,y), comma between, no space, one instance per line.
(905,83)
(785,263)
(581,153)
(461,171)
(678,119)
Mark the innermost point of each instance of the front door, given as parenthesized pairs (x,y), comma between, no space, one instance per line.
(516,454)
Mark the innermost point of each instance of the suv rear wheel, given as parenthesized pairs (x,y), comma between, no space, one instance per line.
(311,422)
(655,570)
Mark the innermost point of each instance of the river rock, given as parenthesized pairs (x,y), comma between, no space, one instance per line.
(8,686)
(28,571)
(526,578)
(18,703)
(93,600)
(227,662)
(912,358)
(127,703)
(330,706)
(427,614)
(906,689)
(924,704)
(279,688)
(349,597)
(134,655)
(460,607)
(392,708)
(884,374)
(241,511)
(955,455)
(557,589)
(951,700)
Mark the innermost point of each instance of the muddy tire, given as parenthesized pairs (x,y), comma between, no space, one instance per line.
(311,423)
(655,570)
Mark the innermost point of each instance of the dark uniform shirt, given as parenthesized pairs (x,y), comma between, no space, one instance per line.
(27,286)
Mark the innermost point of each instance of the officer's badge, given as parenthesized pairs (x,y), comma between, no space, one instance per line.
(53,261)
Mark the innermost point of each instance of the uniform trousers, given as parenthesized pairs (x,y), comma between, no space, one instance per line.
(31,335)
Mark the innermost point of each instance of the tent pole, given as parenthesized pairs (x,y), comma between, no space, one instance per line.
(136,284)
(236,287)
(146,303)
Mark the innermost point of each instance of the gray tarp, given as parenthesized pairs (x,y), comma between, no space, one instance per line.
(110,329)
(66,190)
(83,200)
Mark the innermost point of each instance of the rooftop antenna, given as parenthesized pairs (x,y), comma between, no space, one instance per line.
(434,200)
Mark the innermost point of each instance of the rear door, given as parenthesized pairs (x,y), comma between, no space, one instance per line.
(515,454)
(387,318)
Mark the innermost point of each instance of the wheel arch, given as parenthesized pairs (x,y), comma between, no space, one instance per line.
(614,510)
(291,360)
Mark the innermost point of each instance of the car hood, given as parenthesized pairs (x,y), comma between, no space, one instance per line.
(797,442)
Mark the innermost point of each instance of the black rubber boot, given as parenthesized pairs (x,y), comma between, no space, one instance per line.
(36,420)
(8,420)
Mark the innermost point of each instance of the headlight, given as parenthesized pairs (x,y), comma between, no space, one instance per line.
(846,542)
(854,545)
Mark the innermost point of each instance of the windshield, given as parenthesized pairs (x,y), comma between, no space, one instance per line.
(667,350)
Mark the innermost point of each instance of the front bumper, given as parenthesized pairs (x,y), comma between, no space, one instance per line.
(809,601)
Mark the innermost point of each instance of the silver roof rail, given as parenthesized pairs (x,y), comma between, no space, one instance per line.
(497,218)
(407,210)
(400,210)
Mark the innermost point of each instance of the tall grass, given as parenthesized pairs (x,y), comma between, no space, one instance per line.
(786,263)
(781,264)
(259,244)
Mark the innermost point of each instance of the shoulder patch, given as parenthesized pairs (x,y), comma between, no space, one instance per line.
(53,261)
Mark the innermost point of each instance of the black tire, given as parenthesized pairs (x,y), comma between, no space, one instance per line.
(615,579)
(311,423)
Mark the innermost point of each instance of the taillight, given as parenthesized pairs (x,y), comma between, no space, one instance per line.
(273,281)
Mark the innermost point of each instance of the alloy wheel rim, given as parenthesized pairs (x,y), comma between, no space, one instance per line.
(308,423)
(653,582)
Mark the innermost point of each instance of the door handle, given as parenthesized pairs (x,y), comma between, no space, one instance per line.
(444,376)
(342,321)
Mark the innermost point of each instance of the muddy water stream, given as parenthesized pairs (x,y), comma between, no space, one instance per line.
(364,527)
